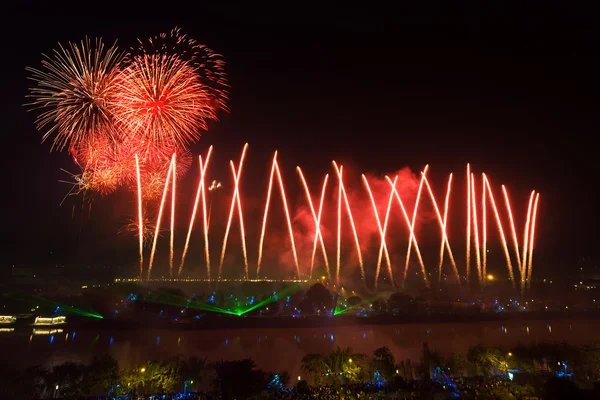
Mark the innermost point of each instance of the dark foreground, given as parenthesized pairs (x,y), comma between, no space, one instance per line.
(548,371)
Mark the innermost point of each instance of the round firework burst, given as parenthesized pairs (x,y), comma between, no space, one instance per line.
(153,173)
(104,180)
(162,102)
(209,65)
(74,92)
(134,227)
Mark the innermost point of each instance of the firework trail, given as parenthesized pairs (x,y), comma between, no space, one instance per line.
(512,226)
(356,241)
(511,276)
(443,226)
(525,243)
(476,231)
(531,239)
(287,216)
(483,229)
(140,214)
(200,192)
(339,226)
(381,231)
(172,241)
(234,202)
(412,237)
(75,91)
(236,178)
(265,215)
(385,225)
(412,227)
(275,171)
(317,218)
(159,217)
(468,250)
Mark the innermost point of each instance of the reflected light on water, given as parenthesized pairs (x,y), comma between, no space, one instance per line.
(135,347)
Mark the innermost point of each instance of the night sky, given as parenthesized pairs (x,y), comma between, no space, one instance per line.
(513,92)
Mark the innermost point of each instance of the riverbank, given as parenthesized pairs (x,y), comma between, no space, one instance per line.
(214,321)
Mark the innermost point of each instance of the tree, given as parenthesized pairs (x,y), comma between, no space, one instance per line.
(102,375)
(379,305)
(384,362)
(354,301)
(238,379)
(64,380)
(319,297)
(164,375)
(192,370)
(400,302)
(315,365)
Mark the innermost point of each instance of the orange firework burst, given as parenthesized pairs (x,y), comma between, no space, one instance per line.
(133,227)
(162,101)
(75,90)
(209,65)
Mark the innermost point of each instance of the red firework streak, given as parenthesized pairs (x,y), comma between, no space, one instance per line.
(476,223)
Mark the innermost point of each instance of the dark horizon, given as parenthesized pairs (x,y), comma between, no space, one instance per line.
(513,94)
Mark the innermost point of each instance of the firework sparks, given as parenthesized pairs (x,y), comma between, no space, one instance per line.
(209,65)
(159,218)
(275,171)
(200,192)
(140,214)
(512,226)
(354,232)
(442,220)
(412,227)
(173,192)
(317,218)
(468,250)
(476,230)
(288,218)
(525,242)
(384,231)
(483,229)
(265,215)
(500,230)
(531,240)
(412,237)
(162,100)
(75,91)
(381,231)
(234,202)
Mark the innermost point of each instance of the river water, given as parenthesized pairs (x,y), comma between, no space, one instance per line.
(278,349)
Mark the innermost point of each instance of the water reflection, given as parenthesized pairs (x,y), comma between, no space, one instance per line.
(130,347)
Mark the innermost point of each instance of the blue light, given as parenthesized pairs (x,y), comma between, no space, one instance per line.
(57,309)
(73,335)
(51,338)
(511,376)
(298,339)
(111,341)
(251,301)
(158,340)
(364,335)
(226,341)
(331,337)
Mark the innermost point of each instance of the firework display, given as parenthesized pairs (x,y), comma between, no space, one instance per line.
(124,115)
(478,226)
(128,119)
